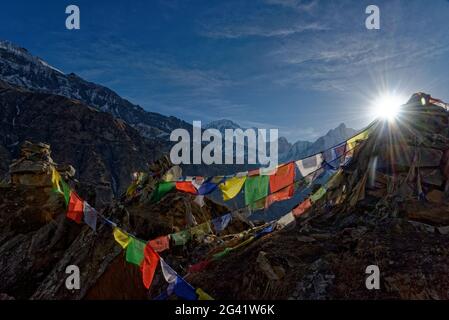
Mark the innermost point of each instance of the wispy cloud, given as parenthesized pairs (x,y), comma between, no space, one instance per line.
(298,5)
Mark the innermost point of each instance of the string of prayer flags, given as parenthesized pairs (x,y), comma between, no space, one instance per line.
(310,164)
(121,237)
(318,194)
(76,208)
(281,184)
(231,187)
(161,190)
(221,222)
(149,265)
(186,186)
(203,295)
(181,238)
(134,251)
(302,208)
(160,244)
(256,189)
(90,216)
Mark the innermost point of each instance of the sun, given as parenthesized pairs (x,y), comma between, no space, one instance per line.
(388,106)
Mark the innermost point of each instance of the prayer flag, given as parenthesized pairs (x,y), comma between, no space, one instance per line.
(121,237)
(203,295)
(181,238)
(318,195)
(309,165)
(231,187)
(75,209)
(186,186)
(222,222)
(184,290)
(149,265)
(351,144)
(256,189)
(281,184)
(302,208)
(90,216)
(60,186)
(161,190)
(265,231)
(200,266)
(286,220)
(134,251)
(160,244)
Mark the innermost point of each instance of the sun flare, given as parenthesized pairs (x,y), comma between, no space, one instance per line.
(388,106)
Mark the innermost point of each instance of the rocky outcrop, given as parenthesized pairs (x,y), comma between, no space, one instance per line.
(104,151)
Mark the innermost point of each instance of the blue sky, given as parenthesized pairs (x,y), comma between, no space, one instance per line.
(300,66)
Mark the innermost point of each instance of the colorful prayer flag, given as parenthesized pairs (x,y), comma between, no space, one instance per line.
(256,189)
(76,207)
(161,190)
(60,186)
(90,216)
(181,238)
(203,295)
(318,194)
(231,187)
(309,165)
(186,186)
(200,266)
(281,184)
(184,290)
(160,244)
(221,223)
(134,251)
(121,237)
(351,144)
(302,208)
(149,265)
(284,221)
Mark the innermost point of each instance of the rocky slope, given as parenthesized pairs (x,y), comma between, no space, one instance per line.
(105,151)
(38,242)
(387,208)
(19,67)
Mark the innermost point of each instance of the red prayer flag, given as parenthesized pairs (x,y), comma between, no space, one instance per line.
(302,208)
(149,265)
(281,184)
(200,266)
(160,244)
(186,186)
(75,209)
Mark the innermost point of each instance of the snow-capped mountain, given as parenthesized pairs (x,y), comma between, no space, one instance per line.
(19,67)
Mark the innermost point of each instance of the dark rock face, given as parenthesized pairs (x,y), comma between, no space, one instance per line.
(19,67)
(104,151)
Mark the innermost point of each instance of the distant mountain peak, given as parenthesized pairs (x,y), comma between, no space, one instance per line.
(222,124)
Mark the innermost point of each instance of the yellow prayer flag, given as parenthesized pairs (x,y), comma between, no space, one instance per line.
(203,295)
(56,180)
(353,141)
(122,238)
(231,187)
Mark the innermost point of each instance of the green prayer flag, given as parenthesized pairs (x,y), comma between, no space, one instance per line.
(181,238)
(256,188)
(221,254)
(318,195)
(161,190)
(66,192)
(134,251)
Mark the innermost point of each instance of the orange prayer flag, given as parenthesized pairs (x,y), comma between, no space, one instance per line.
(281,184)
(149,265)
(160,244)
(186,186)
(75,209)
(302,208)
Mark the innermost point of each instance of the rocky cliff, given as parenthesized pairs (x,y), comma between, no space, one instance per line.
(105,151)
